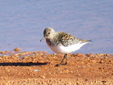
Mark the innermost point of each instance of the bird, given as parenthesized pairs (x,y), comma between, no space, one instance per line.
(62,42)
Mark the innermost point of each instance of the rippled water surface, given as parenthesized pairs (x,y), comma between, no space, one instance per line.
(23,21)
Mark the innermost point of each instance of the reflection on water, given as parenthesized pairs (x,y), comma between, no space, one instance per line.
(22,23)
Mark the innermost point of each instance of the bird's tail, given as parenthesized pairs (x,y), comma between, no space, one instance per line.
(85,41)
(88,41)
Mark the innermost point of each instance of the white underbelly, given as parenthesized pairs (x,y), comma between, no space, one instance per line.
(66,49)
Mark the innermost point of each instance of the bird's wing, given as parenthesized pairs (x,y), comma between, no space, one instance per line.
(67,39)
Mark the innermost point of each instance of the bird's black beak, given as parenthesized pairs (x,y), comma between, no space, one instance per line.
(42,39)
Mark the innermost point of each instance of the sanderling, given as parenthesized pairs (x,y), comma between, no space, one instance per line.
(62,43)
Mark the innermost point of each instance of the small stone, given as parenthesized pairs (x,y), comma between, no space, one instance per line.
(36,70)
(17,49)
(104,81)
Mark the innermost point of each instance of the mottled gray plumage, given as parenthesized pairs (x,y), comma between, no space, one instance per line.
(65,39)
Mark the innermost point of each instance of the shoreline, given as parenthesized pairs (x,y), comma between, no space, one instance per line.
(39,68)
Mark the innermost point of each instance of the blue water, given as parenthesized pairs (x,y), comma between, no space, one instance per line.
(22,23)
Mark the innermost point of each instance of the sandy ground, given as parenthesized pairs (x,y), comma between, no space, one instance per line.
(38,68)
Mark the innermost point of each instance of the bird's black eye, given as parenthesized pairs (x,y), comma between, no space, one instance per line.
(49,33)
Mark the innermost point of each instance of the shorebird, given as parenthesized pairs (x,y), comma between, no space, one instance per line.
(62,43)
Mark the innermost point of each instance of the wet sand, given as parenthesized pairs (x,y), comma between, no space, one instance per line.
(38,68)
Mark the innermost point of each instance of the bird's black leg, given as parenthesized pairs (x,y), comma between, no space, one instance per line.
(65,56)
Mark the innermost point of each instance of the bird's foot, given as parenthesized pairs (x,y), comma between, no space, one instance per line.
(60,64)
